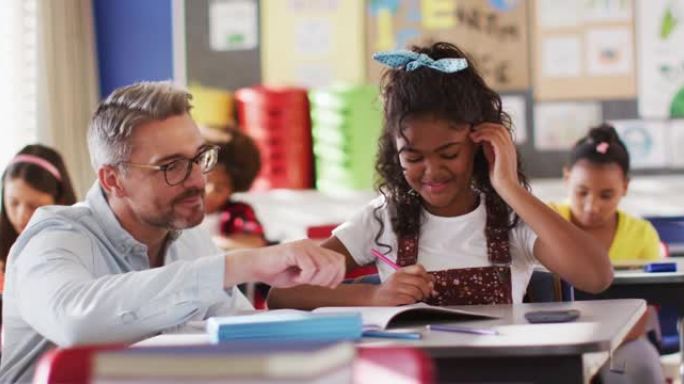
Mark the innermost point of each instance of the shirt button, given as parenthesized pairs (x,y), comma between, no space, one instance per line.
(127,317)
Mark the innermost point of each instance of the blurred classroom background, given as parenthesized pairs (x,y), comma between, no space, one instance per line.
(296,75)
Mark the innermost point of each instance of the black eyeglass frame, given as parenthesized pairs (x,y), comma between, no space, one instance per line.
(211,150)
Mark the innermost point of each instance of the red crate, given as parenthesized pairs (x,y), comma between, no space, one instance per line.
(278,119)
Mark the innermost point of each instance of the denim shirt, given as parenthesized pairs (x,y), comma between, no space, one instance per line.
(75,276)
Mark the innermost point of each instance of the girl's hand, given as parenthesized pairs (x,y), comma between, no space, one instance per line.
(408,285)
(499,150)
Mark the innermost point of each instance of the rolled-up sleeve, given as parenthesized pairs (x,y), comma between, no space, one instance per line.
(68,304)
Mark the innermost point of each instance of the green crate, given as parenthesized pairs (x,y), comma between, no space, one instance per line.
(346,124)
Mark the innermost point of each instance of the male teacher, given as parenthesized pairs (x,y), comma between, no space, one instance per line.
(129,262)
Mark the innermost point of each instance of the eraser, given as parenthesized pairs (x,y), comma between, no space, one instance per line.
(660,267)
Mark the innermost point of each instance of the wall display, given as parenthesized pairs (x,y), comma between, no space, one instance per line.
(312,43)
(661,58)
(646,142)
(583,50)
(558,125)
(494,33)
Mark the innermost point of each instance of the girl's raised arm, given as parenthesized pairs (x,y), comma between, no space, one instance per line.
(561,247)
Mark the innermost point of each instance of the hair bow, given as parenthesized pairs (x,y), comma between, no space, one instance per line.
(410,61)
(602,148)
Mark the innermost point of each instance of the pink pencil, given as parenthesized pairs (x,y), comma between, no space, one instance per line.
(384,259)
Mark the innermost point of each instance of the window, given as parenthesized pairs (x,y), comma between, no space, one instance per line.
(18,76)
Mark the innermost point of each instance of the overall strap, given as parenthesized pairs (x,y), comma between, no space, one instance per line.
(498,244)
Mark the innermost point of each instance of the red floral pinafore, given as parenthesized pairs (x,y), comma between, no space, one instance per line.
(469,286)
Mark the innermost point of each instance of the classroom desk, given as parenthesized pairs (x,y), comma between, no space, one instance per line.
(522,352)
(661,288)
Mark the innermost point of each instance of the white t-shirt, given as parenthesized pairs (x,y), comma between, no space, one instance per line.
(444,243)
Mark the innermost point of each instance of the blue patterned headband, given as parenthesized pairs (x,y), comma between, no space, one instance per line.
(410,61)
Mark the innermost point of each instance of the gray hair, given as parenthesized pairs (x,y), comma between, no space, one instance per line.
(126,108)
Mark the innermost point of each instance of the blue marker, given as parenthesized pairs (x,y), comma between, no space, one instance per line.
(660,267)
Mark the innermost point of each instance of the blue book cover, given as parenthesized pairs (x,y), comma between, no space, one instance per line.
(286,325)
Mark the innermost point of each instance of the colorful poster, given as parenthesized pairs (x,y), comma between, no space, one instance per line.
(232,25)
(583,50)
(312,43)
(646,142)
(494,33)
(557,126)
(661,58)
(438,14)
(609,51)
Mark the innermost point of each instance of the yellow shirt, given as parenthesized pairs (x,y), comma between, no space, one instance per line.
(635,239)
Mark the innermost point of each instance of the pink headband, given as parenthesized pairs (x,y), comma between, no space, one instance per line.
(31,159)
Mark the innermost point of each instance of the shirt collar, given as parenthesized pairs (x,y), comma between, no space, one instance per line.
(122,240)
(117,235)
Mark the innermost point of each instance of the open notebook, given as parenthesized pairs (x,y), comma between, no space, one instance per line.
(329,323)
(406,315)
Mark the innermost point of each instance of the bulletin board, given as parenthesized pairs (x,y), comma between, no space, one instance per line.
(660,38)
(493,33)
(312,43)
(583,49)
(221,53)
(545,154)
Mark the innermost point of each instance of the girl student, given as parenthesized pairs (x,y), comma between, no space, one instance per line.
(454,212)
(597,177)
(36,176)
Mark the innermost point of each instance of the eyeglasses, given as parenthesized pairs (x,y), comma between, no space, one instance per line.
(177,171)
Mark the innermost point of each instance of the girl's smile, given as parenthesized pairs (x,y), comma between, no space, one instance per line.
(437,155)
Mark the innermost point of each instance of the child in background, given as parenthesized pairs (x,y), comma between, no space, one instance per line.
(454,211)
(233,224)
(36,176)
(597,177)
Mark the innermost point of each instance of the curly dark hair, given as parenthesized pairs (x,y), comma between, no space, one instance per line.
(461,97)
(240,157)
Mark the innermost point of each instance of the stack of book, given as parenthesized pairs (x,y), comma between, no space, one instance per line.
(286,325)
(293,362)
(346,124)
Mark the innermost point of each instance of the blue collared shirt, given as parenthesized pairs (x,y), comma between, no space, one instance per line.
(75,276)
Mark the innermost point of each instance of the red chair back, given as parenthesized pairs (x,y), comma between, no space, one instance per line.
(405,365)
(322,232)
(68,365)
